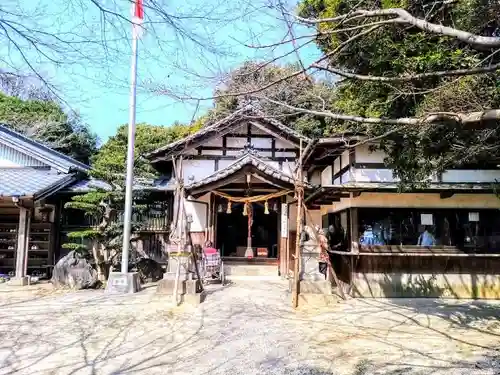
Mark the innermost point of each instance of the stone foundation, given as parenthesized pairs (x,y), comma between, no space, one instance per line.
(189,289)
(435,285)
(123,283)
(19,281)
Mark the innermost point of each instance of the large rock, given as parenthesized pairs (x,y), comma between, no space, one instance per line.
(148,269)
(75,271)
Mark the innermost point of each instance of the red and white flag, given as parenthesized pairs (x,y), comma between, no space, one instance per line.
(138,17)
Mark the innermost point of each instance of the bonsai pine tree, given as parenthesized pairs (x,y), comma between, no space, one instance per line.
(104,205)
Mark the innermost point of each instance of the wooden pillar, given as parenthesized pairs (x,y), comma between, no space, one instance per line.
(283,256)
(213,219)
(354,242)
(249,251)
(23,233)
(354,229)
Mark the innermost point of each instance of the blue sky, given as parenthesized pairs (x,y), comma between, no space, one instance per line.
(92,73)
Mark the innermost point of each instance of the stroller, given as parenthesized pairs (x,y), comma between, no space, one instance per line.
(212,268)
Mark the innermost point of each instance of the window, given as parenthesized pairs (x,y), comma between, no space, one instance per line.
(468,230)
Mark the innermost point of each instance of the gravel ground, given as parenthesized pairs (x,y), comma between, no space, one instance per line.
(244,328)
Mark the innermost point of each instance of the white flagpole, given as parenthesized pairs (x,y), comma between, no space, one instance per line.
(130,154)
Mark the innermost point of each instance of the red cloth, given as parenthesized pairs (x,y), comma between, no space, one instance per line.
(210,250)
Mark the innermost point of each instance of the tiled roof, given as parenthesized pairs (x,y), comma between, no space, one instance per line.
(245,160)
(35,183)
(36,150)
(433,186)
(224,124)
(84,186)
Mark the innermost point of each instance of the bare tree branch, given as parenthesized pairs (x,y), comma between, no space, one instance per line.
(403,17)
(463,118)
(411,77)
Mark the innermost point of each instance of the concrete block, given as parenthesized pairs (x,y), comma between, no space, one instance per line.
(167,286)
(19,281)
(317,300)
(191,287)
(310,267)
(189,299)
(193,299)
(123,283)
(316,287)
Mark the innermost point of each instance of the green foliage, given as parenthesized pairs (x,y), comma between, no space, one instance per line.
(46,122)
(111,158)
(106,206)
(393,50)
(75,247)
(87,233)
(298,91)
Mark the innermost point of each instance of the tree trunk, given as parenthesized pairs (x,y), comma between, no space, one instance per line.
(99,260)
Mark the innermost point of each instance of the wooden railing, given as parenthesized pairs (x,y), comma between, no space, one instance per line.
(150,221)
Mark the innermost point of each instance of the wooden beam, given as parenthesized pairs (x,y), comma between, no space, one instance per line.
(214,185)
(270,181)
(232,148)
(226,181)
(244,135)
(255,186)
(275,134)
(446,194)
(234,157)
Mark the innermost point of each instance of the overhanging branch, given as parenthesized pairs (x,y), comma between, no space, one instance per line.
(411,77)
(463,118)
(401,16)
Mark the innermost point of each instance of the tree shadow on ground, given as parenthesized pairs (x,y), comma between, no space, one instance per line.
(78,337)
(487,364)
(182,342)
(467,313)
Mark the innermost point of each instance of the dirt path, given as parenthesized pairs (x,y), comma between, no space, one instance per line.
(245,328)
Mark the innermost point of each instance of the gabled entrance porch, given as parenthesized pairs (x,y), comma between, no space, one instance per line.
(247,211)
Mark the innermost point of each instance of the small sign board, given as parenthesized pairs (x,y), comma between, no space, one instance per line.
(119,281)
(474,216)
(119,284)
(426,219)
(284,220)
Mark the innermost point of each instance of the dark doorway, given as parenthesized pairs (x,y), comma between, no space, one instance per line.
(232,231)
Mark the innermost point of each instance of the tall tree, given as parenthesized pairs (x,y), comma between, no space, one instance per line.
(420,76)
(46,122)
(105,206)
(112,155)
(299,91)
(436,62)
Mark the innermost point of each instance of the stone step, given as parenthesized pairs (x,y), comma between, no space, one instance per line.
(232,269)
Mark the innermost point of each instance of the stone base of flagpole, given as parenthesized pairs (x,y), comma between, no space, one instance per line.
(123,283)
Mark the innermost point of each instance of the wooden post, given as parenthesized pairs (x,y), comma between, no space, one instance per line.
(299,191)
(249,250)
(23,232)
(181,230)
(249,237)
